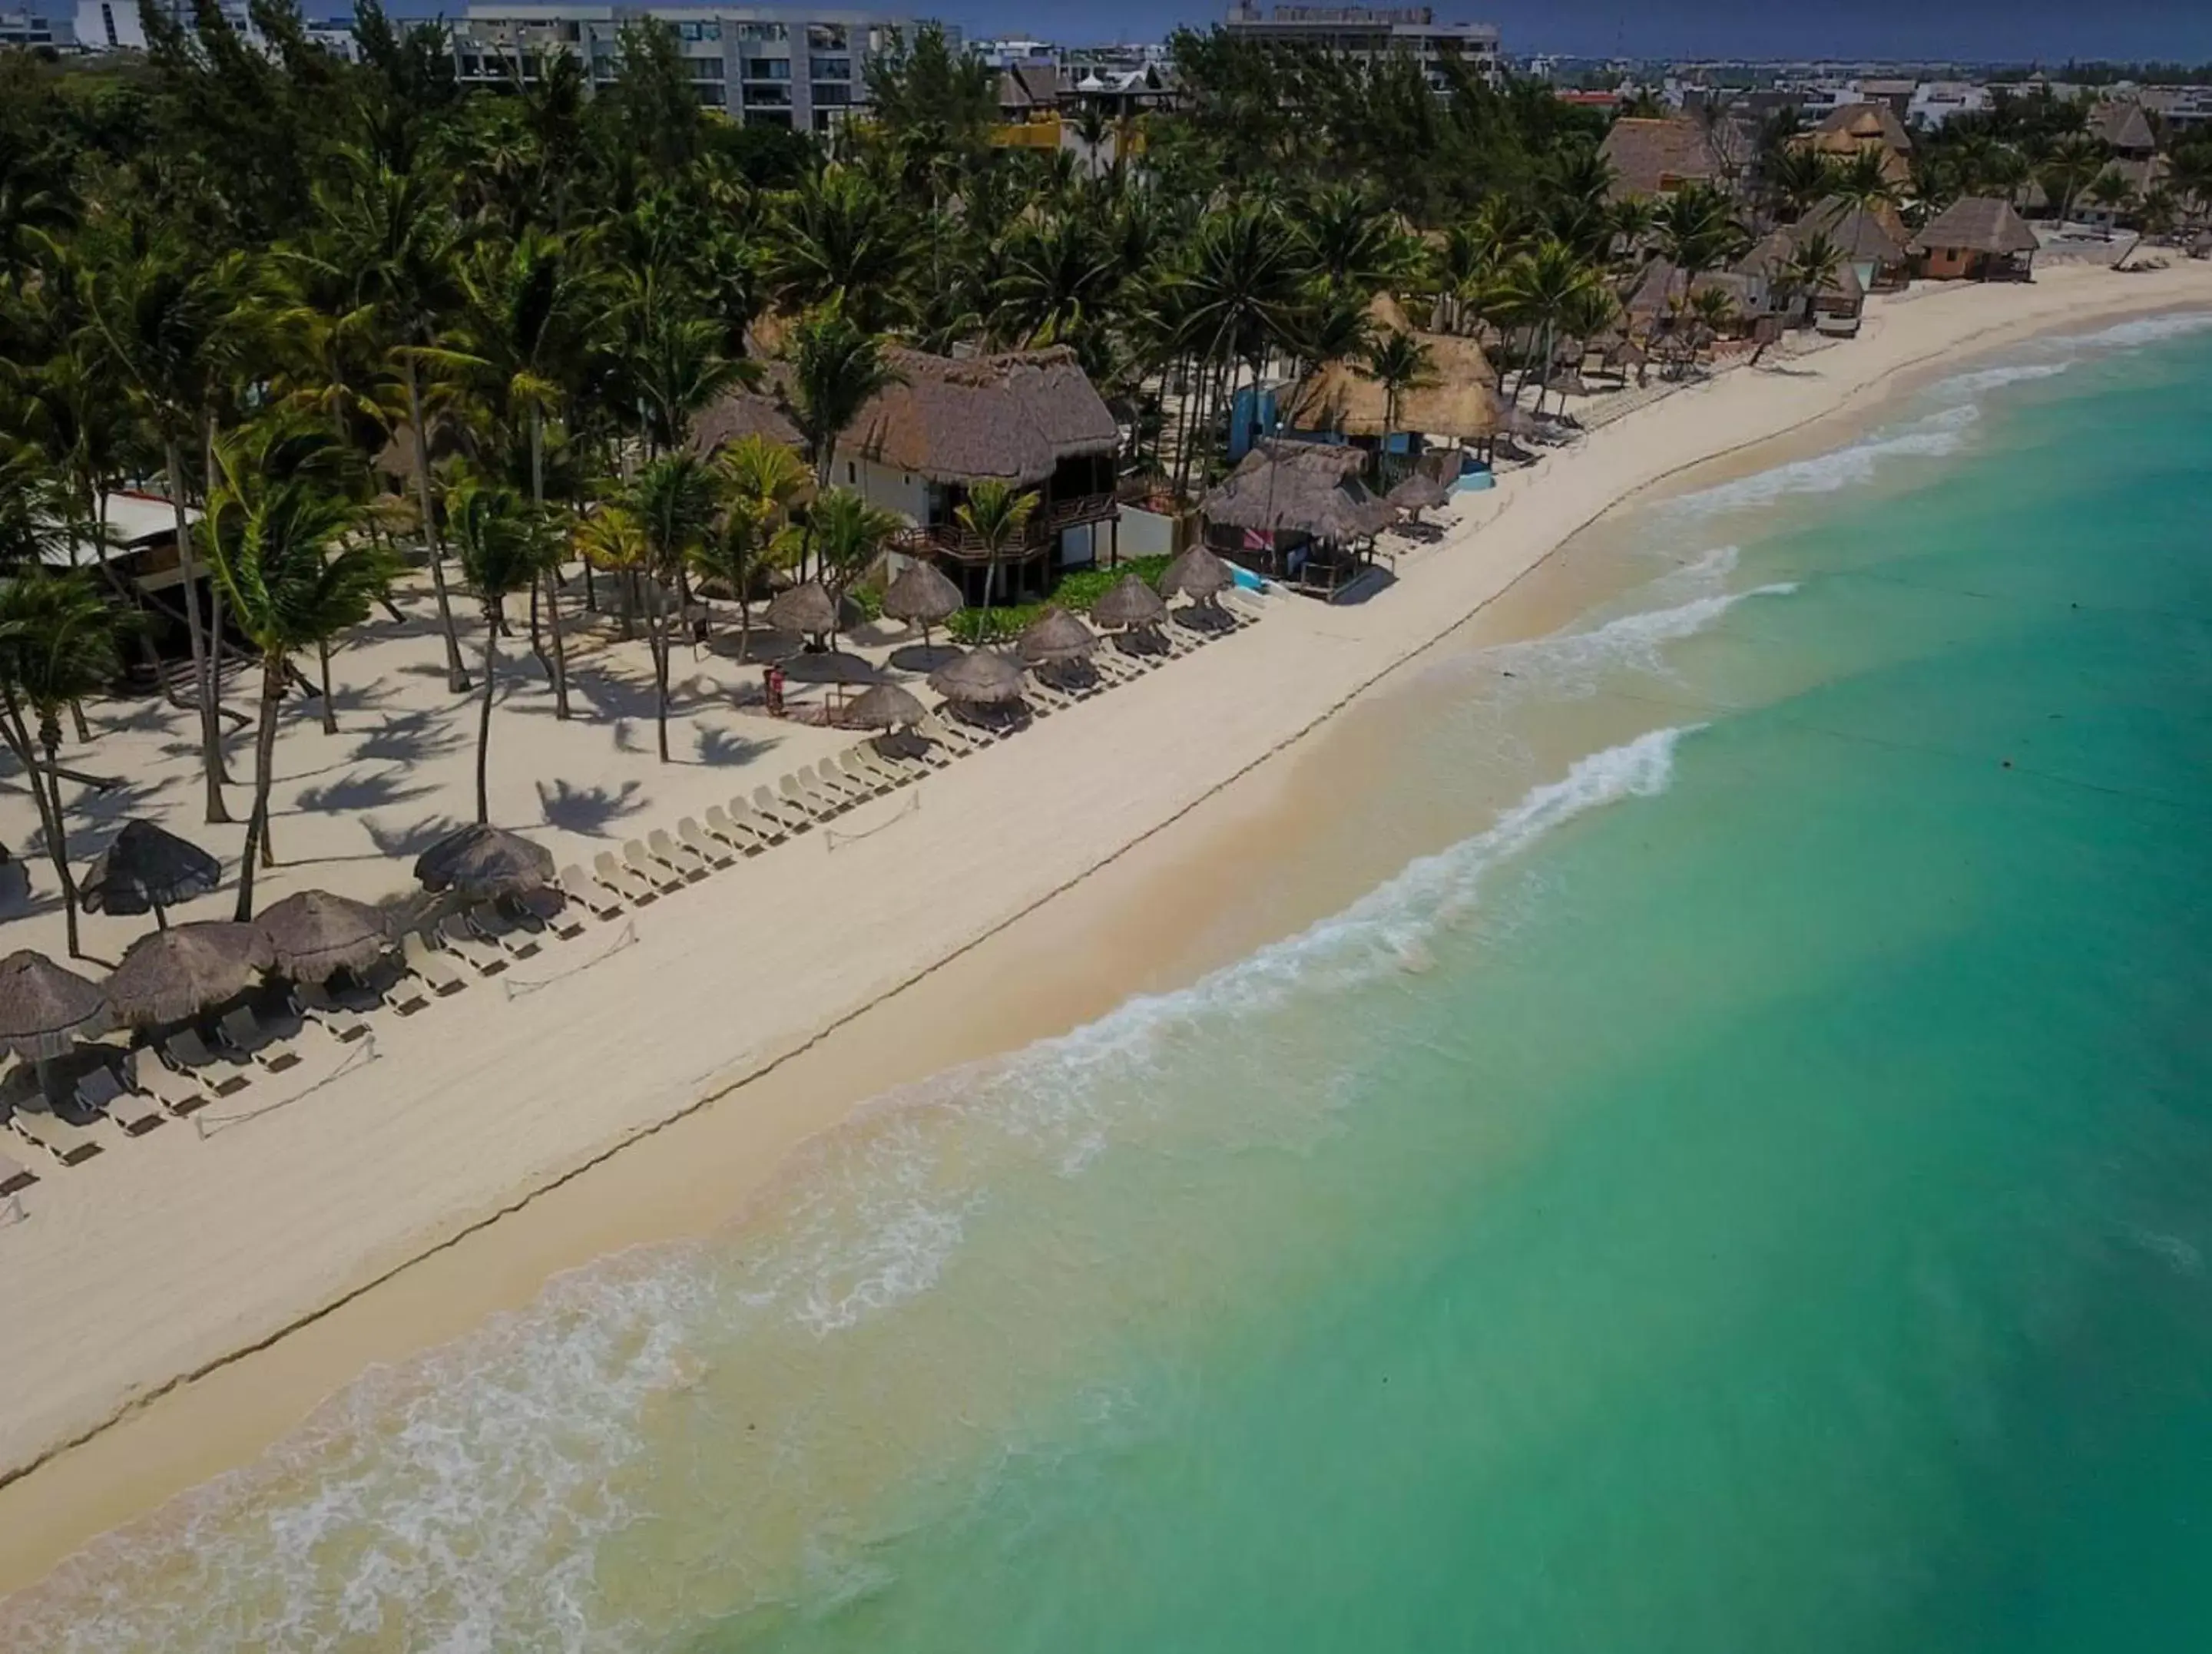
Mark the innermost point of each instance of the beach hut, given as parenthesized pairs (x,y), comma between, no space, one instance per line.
(1656,157)
(1301,511)
(314,934)
(171,975)
(1872,238)
(1976,238)
(148,870)
(1458,400)
(484,863)
(1851,130)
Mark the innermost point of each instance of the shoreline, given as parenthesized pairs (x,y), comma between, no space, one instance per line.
(1106,792)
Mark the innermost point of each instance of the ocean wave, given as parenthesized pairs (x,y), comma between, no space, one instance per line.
(463,1500)
(2144,330)
(1996,379)
(1934,437)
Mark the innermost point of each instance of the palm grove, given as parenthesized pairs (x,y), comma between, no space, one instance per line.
(361,320)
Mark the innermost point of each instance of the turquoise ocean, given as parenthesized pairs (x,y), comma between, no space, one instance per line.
(1750,1189)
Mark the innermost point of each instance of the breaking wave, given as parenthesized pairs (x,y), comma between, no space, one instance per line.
(711,1400)
(1933,437)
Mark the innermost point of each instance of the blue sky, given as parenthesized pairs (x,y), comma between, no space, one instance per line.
(2051,30)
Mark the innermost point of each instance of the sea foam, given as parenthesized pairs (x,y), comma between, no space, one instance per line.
(1933,436)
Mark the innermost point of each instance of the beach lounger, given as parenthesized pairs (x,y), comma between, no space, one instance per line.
(794,819)
(516,938)
(241,1032)
(633,885)
(808,799)
(693,837)
(939,732)
(179,1093)
(827,778)
(588,892)
(737,841)
(685,859)
(101,1093)
(186,1052)
(432,968)
(13,1177)
(312,1002)
(655,872)
(549,909)
(770,829)
(70,1144)
(454,938)
(876,779)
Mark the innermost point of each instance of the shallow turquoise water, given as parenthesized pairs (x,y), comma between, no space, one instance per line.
(1750,1196)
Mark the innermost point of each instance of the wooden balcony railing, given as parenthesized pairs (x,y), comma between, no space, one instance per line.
(1044,527)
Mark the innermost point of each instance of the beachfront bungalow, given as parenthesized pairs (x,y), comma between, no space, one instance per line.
(1976,238)
(1872,240)
(1656,157)
(1856,128)
(2125,129)
(1341,401)
(1300,513)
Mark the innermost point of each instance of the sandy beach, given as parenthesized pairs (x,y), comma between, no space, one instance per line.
(173,1299)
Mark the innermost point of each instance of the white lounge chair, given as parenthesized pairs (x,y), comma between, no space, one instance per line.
(13,1177)
(687,863)
(657,873)
(188,1053)
(455,939)
(807,800)
(879,776)
(632,884)
(436,970)
(737,840)
(783,810)
(587,890)
(241,1032)
(70,1144)
(551,908)
(825,778)
(100,1092)
(313,1002)
(709,851)
(179,1093)
(747,819)
(516,938)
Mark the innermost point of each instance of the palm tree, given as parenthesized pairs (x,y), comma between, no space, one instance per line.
(279,535)
(1812,265)
(2111,191)
(169,327)
(57,647)
(1800,177)
(1539,287)
(997,516)
(2073,162)
(504,548)
(843,242)
(835,367)
(760,481)
(1864,181)
(390,236)
(1238,295)
(1400,363)
(849,535)
(525,321)
(672,503)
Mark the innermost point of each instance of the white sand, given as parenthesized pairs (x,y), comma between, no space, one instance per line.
(170,1251)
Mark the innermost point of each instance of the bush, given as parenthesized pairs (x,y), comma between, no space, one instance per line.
(1076,593)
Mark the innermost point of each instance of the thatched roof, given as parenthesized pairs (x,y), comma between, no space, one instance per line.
(485,862)
(314,934)
(1458,402)
(148,867)
(807,608)
(886,706)
(1420,492)
(982,677)
(1011,417)
(1654,157)
(1977,224)
(2124,125)
(743,412)
(44,1009)
(1056,635)
(1873,233)
(922,595)
(1850,127)
(1301,487)
(173,975)
(1130,602)
(1197,573)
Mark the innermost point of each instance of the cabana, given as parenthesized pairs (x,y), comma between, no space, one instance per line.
(1301,511)
(1977,238)
(1458,398)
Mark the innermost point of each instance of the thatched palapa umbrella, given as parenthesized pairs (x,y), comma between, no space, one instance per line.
(1129,605)
(173,975)
(923,596)
(982,677)
(45,1009)
(886,706)
(484,863)
(1420,492)
(1055,638)
(809,609)
(146,870)
(1197,574)
(315,935)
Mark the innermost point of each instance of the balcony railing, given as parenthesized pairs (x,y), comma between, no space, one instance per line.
(1043,527)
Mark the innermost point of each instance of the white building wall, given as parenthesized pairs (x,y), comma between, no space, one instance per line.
(884,487)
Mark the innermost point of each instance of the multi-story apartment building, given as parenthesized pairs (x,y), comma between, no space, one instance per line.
(1370,33)
(113,25)
(803,67)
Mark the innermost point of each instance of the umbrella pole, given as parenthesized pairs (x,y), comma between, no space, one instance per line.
(161,918)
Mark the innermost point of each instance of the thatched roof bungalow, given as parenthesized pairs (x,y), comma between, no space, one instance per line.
(1979,239)
(1656,157)
(1854,128)
(1458,402)
(1872,239)
(1300,511)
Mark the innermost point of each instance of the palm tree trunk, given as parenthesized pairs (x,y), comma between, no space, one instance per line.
(657,631)
(46,793)
(187,565)
(484,720)
(457,676)
(329,712)
(264,752)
